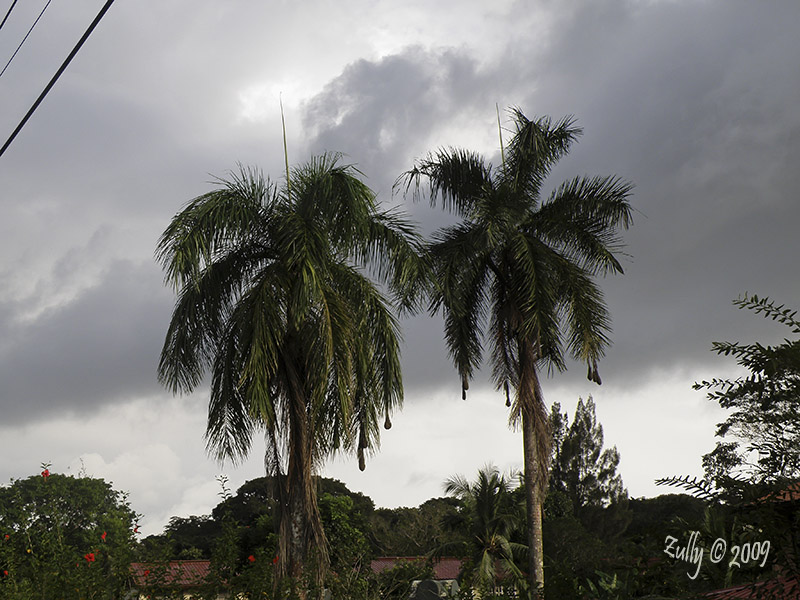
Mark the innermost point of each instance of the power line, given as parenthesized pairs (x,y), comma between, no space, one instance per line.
(8,13)
(61,69)
(26,37)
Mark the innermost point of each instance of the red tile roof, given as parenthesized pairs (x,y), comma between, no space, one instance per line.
(178,573)
(193,573)
(784,588)
(443,568)
(790,493)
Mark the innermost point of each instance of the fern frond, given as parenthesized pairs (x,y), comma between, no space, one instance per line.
(699,488)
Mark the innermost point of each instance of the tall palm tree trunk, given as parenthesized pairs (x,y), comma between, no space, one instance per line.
(533,503)
(536,458)
(300,524)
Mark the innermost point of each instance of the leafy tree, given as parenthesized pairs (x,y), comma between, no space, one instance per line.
(363,506)
(300,343)
(750,483)
(571,553)
(585,507)
(581,468)
(252,499)
(524,267)
(64,535)
(192,537)
(765,422)
(648,516)
(350,553)
(414,531)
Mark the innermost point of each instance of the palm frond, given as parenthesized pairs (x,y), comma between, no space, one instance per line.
(582,219)
(397,255)
(200,313)
(230,427)
(504,357)
(697,487)
(247,358)
(456,178)
(457,486)
(587,318)
(213,223)
(535,147)
(533,283)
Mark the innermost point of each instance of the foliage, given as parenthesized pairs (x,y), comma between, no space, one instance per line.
(244,547)
(395,583)
(488,517)
(649,515)
(343,529)
(363,506)
(632,564)
(273,300)
(581,469)
(246,566)
(766,411)
(516,274)
(63,535)
(750,483)
(414,531)
(191,536)
(585,505)
(252,500)
(757,473)
(572,554)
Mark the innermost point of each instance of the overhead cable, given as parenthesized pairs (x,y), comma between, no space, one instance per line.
(26,37)
(61,69)
(8,13)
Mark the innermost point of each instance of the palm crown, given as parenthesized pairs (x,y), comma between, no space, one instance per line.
(274,301)
(524,262)
(490,517)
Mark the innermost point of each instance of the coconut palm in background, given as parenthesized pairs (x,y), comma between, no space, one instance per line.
(488,519)
(517,274)
(274,302)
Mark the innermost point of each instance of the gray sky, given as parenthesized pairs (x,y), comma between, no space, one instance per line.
(695,102)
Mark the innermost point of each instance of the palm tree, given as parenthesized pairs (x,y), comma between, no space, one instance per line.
(274,301)
(521,268)
(489,518)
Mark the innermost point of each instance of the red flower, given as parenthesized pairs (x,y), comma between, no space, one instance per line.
(8,537)
(275,560)
(103,537)
(89,557)
(146,572)
(251,558)
(5,573)
(136,529)
(46,473)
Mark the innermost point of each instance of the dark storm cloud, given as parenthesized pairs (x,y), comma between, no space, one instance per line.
(378,112)
(99,348)
(692,102)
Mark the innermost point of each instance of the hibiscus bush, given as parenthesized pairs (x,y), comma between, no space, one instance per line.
(64,537)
